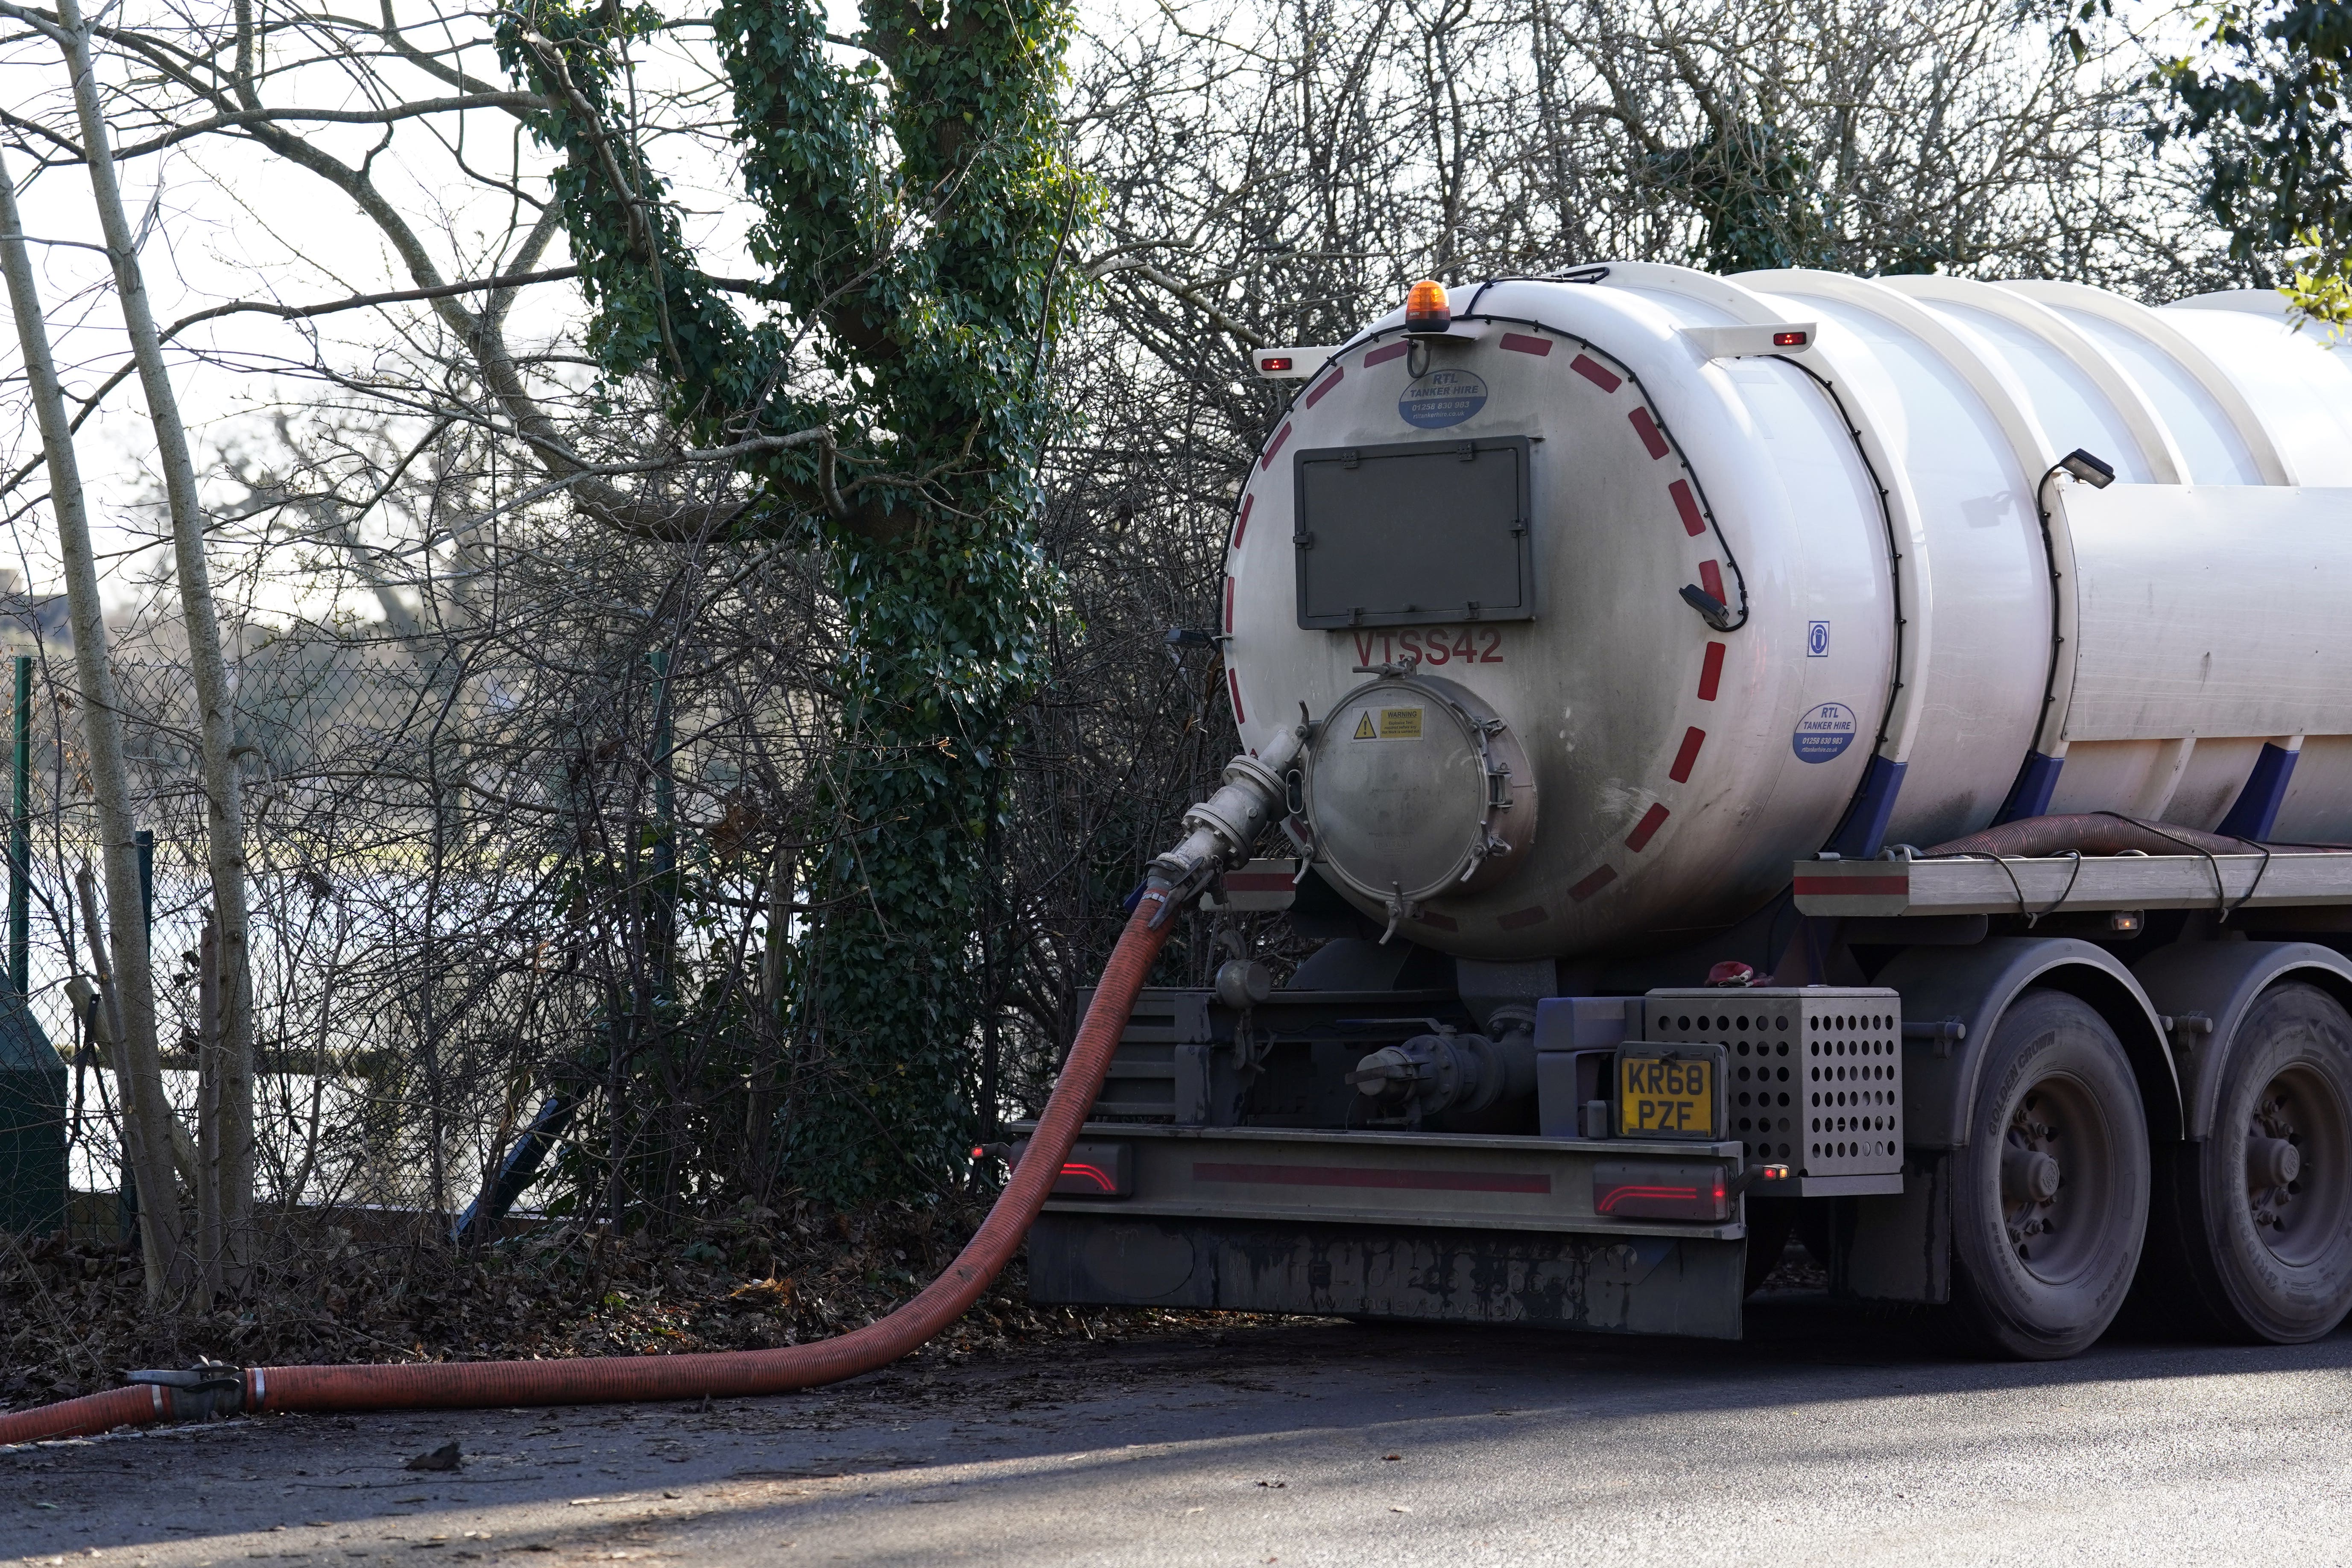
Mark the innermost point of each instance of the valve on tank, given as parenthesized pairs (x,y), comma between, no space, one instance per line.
(1445,1070)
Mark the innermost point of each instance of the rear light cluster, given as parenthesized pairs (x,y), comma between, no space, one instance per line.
(1661,1192)
(1093,1170)
(1703,1192)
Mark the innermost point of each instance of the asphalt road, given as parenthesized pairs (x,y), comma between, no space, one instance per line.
(1823,1437)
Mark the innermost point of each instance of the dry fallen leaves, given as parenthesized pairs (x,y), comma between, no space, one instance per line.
(374,1287)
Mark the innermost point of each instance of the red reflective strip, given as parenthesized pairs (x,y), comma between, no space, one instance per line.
(1616,1195)
(1646,829)
(1258,882)
(1091,1173)
(1876,886)
(1382,356)
(1597,373)
(1229,603)
(1519,919)
(1710,674)
(1520,343)
(1275,445)
(1373,1176)
(1683,760)
(1241,523)
(1442,922)
(1234,683)
(1592,884)
(1694,524)
(1326,384)
(1653,438)
(1710,577)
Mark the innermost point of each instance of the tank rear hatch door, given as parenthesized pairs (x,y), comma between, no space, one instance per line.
(1417,533)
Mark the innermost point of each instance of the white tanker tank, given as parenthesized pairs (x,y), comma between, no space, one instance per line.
(1624,590)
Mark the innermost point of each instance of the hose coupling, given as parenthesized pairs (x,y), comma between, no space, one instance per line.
(1221,831)
(199,1392)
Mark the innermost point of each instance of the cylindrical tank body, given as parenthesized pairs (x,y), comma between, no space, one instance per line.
(1466,556)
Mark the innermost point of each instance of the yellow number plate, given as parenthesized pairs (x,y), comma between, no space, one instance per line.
(1665,1097)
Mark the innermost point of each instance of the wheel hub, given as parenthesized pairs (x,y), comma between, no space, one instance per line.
(2032,1179)
(2274,1161)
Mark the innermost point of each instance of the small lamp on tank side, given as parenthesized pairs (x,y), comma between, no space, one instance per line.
(2093,471)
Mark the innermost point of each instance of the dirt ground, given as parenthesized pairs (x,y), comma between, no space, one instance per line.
(1297,1442)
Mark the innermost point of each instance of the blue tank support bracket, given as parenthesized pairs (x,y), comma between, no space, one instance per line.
(2030,795)
(2255,811)
(1862,832)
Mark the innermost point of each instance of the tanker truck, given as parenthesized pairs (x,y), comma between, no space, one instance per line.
(1787,752)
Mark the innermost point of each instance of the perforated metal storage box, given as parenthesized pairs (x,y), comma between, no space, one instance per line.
(1815,1075)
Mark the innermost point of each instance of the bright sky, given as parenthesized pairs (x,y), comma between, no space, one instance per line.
(223,221)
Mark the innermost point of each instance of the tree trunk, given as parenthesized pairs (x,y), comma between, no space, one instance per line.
(147,1114)
(211,1241)
(224,802)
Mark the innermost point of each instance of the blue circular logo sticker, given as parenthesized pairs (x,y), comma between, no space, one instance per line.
(1824,733)
(1442,397)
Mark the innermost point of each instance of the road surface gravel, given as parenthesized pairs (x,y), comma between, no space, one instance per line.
(1825,1436)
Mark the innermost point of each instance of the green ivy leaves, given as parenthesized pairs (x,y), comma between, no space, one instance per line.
(917,213)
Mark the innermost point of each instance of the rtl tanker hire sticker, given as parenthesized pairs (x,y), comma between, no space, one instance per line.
(1824,733)
(1442,397)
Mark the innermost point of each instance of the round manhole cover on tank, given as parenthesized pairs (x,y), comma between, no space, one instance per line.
(1415,789)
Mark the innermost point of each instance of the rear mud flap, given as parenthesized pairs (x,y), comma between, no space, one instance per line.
(1640,1285)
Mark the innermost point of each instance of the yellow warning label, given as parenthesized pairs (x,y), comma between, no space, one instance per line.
(1364,728)
(1400,723)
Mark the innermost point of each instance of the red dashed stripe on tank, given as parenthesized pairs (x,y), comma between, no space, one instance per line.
(1710,577)
(1233,685)
(1693,521)
(1596,372)
(1646,829)
(1686,758)
(1710,674)
(1520,343)
(1229,607)
(1594,884)
(1241,523)
(1519,919)
(1325,385)
(1654,441)
(1383,356)
(1275,445)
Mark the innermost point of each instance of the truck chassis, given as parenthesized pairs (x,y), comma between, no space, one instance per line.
(1229,1163)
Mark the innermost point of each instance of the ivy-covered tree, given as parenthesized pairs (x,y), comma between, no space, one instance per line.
(917,213)
(1755,191)
(2264,102)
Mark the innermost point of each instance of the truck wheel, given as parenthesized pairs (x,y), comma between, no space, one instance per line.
(2049,1197)
(2256,1220)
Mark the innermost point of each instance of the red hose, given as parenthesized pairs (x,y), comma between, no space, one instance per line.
(470,1384)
